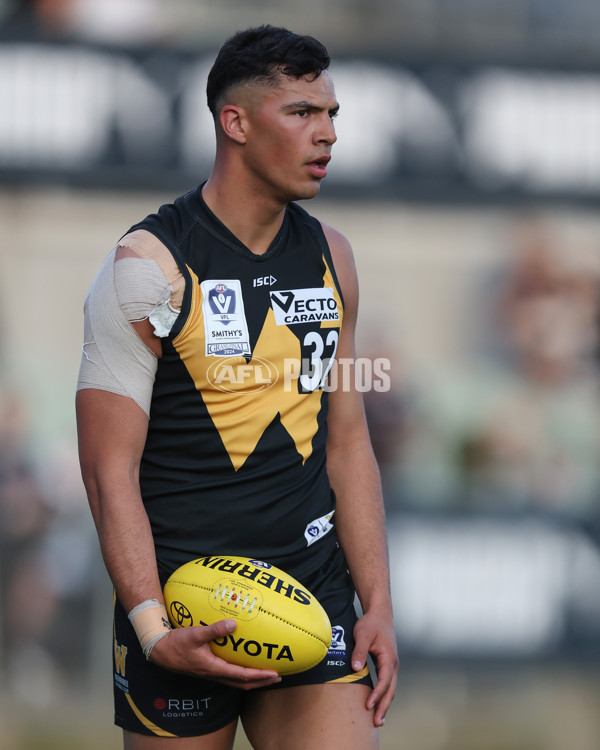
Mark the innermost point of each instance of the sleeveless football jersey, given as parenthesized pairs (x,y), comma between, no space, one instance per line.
(234,461)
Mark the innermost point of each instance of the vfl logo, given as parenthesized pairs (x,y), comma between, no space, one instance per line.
(222,302)
(318,528)
(338,642)
(243,378)
(260,564)
(181,614)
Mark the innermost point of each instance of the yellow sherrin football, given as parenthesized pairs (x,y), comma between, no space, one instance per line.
(281,625)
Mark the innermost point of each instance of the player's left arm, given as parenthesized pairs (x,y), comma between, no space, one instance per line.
(360,516)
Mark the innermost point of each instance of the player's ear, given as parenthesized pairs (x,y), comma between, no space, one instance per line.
(232,120)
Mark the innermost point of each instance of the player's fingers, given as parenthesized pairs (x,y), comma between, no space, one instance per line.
(384,682)
(236,674)
(246,678)
(204,663)
(359,656)
(383,693)
(365,636)
(382,707)
(244,674)
(219,629)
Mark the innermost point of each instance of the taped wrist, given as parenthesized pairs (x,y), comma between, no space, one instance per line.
(150,622)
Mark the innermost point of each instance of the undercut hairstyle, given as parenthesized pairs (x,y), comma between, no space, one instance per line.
(260,56)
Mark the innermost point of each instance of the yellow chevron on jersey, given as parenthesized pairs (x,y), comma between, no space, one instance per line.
(236,451)
(329,283)
(248,399)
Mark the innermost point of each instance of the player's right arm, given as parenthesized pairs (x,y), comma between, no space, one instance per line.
(111,433)
(112,429)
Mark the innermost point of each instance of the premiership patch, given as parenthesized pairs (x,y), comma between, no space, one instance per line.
(304,306)
(225,326)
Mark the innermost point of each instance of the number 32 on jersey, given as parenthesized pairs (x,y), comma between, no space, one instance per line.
(318,354)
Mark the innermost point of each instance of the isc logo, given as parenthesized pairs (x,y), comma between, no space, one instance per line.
(235,376)
(264,281)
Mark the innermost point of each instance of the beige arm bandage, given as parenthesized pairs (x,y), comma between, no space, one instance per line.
(151,623)
(114,357)
(126,290)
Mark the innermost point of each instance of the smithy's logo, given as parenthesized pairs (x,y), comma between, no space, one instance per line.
(242,377)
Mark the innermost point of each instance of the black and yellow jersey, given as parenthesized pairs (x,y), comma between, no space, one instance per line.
(234,461)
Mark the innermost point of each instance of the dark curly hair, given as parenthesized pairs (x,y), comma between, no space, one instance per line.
(261,55)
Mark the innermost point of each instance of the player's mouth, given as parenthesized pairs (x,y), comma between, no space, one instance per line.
(318,167)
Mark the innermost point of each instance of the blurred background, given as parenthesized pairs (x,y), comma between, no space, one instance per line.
(467,177)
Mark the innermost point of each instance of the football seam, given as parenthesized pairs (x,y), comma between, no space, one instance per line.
(293,625)
(265,611)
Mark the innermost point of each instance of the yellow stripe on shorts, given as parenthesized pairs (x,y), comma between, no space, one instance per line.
(351,677)
(146,722)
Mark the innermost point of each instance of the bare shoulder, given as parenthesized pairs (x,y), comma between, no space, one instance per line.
(338,244)
(343,261)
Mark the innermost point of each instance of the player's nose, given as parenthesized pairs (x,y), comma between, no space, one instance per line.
(326,131)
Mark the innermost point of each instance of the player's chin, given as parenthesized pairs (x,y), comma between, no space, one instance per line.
(308,190)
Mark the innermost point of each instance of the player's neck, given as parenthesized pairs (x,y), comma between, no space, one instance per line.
(254,219)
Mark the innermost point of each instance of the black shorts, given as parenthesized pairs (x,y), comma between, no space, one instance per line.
(151,700)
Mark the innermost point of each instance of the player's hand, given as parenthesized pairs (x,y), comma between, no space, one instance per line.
(187,650)
(374,634)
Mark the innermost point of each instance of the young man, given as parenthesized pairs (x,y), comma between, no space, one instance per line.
(182,459)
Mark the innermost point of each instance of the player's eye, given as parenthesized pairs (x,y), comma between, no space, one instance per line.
(302,113)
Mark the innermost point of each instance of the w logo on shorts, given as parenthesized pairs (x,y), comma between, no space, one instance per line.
(120,656)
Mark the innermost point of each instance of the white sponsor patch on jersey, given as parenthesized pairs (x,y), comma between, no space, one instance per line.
(304,305)
(225,326)
(318,528)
